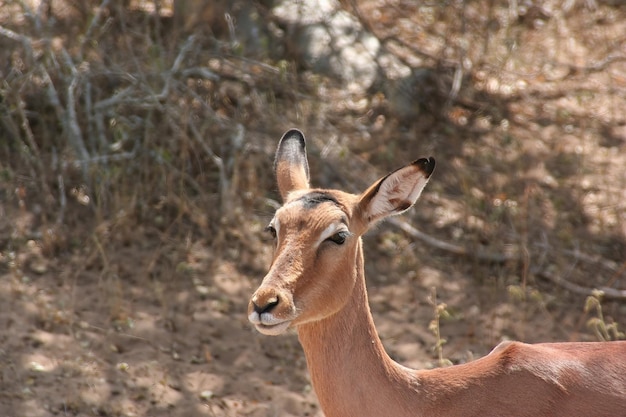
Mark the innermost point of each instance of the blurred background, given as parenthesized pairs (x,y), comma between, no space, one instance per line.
(136,149)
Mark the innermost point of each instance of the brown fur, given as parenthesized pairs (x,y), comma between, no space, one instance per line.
(320,290)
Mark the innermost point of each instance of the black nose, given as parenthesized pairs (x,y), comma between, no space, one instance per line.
(267,307)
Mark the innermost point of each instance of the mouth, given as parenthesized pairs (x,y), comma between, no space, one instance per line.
(273,329)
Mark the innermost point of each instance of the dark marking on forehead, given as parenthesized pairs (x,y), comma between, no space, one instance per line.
(315,198)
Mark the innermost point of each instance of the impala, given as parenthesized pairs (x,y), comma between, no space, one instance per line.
(316,285)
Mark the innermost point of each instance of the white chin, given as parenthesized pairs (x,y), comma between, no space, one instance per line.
(274,329)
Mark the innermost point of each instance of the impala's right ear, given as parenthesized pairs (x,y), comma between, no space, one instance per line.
(291,166)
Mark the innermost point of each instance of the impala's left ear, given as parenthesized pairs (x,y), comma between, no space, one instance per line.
(396,192)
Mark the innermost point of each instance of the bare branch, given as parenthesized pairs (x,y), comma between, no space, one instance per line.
(74,132)
(26,42)
(503,257)
(94,23)
(178,62)
(578,289)
(114,100)
(449,247)
(8,33)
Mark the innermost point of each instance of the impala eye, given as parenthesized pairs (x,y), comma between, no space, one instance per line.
(339,238)
(271,230)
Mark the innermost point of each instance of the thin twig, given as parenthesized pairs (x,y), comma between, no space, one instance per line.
(384,41)
(31,144)
(26,42)
(610,265)
(74,133)
(117,98)
(579,289)
(8,33)
(61,186)
(219,162)
(178,62)
(94,22)
(103,159)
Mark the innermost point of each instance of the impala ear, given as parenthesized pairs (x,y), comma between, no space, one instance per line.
(290,166)
(396,192)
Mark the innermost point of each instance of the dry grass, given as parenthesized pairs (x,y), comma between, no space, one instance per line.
(135,157)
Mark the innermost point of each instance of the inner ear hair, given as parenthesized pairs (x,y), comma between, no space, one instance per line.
(397,191)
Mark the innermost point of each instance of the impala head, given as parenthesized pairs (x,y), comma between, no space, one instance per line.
(317,236)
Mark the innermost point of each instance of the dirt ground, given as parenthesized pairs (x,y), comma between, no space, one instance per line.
(144,313)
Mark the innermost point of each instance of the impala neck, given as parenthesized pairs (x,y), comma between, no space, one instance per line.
(350,370)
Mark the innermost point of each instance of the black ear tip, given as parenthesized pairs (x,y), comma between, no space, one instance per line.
(426,165)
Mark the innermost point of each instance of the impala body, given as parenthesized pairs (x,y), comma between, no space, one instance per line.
(316,284)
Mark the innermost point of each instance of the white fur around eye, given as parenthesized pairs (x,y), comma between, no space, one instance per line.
(276,225)
(329,231)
